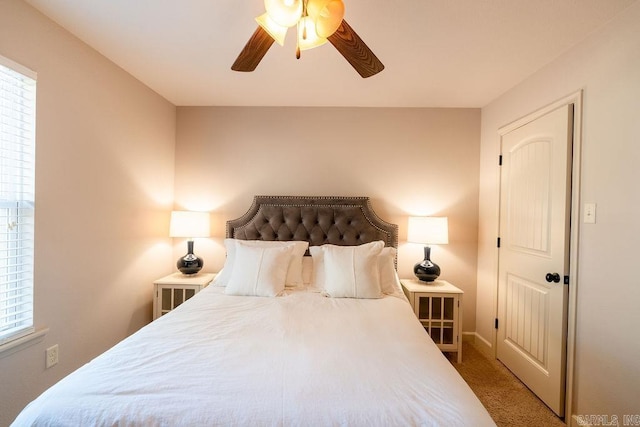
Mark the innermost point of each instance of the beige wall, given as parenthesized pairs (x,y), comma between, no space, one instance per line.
(105,180)
(409,161)
(607,67)
(104,186)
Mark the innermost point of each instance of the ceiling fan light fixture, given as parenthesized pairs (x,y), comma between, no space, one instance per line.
(326,14)
(312,39)
(286,13)
(277,32)
(325,23)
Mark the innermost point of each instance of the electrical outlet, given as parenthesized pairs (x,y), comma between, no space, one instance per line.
(52,356)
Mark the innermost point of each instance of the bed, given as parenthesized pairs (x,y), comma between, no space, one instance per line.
(328,339)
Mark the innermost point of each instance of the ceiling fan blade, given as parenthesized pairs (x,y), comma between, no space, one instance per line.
(355,51)
(253,51)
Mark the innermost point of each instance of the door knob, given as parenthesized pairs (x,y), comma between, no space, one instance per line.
(553,277)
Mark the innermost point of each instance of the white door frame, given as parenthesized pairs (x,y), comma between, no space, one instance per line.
(575,99)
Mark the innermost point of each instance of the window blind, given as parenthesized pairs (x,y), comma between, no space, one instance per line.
(17,196)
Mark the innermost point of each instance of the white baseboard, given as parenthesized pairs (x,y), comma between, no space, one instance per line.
(469,337)
(481,344)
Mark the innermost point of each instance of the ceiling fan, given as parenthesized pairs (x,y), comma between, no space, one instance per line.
(317,22)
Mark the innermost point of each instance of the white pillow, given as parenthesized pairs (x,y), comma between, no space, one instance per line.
(317,275)
(307,269)
(294,272)
(352,271)
(259,271)
(389,282)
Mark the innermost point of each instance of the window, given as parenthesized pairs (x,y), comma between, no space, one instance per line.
(17,172)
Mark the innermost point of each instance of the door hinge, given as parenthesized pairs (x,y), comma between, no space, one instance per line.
(500,160)
(566,280)
(498,242)
(496,323)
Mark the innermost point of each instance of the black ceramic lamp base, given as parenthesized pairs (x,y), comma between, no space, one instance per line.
(426,270)
(190,263)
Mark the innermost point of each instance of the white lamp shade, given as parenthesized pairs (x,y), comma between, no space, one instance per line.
(277,32)
(189,224)
(284,12)
(428,230)
(326,14)
(312,40)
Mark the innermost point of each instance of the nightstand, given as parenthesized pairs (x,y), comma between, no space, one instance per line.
(174,289)
(438,306)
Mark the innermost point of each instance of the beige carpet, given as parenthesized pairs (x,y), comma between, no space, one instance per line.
(509,402)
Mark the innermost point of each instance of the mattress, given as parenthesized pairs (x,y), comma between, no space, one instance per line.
(301,359)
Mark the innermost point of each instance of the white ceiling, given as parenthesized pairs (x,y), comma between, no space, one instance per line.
(437,53)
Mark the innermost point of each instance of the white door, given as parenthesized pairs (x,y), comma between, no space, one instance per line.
(535,202)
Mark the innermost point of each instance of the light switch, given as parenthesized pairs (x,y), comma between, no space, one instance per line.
(589,213)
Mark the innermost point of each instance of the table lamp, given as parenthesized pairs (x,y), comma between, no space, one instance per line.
(428,230)
(190,225)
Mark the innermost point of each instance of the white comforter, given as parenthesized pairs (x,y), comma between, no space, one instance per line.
(297,360)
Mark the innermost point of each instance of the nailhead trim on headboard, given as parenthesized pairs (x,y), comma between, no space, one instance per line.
(318,220)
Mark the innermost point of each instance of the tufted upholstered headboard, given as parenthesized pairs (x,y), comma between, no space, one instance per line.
(345,221)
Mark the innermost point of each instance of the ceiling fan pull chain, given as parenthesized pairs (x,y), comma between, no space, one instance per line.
(304,28)
(304,15)
(298,41)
